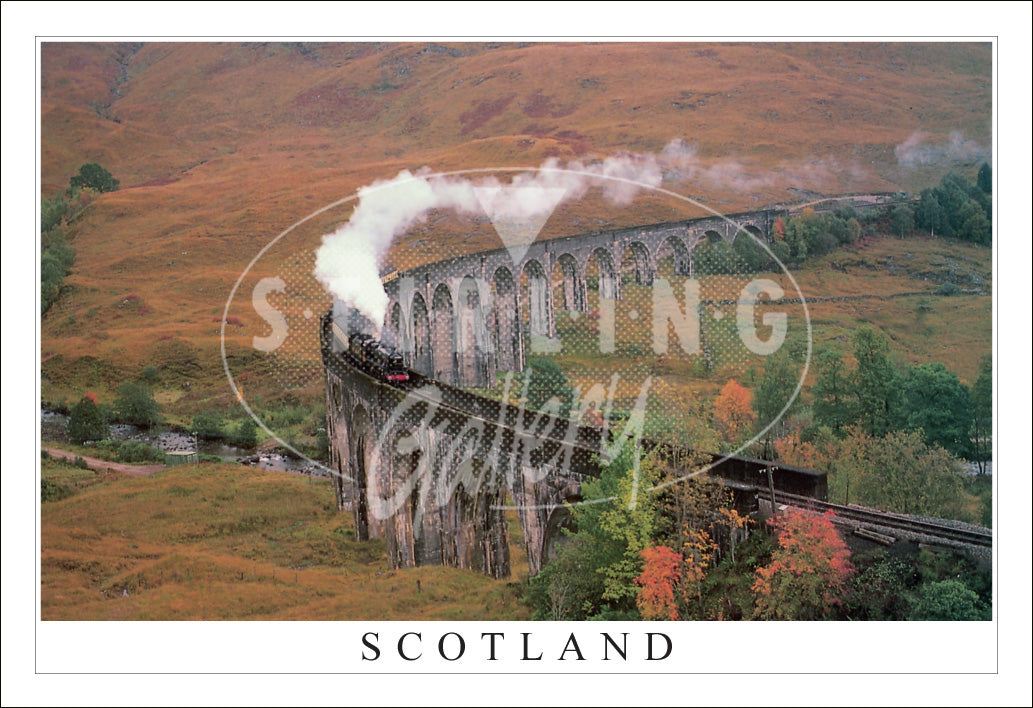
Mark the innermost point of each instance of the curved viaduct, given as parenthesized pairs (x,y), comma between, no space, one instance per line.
(429,467)
(462,319)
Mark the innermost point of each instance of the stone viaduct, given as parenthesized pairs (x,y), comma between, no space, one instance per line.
(431,467)
(462,319)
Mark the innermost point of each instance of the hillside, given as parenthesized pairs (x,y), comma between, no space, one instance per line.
(219,147)
(231,542)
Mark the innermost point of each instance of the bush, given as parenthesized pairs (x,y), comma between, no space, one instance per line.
(50,490)
(947,289)
(208,424)
(132,451)
(129,451)
(136,405)
(948,600)
(52,211)
(246,434)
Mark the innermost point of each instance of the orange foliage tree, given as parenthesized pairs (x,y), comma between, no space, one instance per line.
(658,583)
(808,573)
(733,410)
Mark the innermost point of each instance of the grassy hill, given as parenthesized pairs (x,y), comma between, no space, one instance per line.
(232,542)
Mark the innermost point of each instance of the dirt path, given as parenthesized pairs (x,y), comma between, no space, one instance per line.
(98,464)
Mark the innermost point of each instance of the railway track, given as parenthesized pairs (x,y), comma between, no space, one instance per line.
(885,520)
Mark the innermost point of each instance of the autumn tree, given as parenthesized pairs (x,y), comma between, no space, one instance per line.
(808,573)
(659,583)
(733,411)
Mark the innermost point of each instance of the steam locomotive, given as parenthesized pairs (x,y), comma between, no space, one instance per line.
(377,358)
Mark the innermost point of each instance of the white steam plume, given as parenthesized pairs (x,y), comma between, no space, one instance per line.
(924,149)
(348,262)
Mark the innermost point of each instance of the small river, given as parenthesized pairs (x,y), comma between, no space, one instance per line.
(54,427)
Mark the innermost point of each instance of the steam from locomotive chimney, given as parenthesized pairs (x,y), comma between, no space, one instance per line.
(349,260)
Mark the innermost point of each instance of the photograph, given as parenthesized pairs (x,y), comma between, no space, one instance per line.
(512,331)
(438,353)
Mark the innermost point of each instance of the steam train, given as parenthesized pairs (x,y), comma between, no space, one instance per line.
(344,328)
(377,358)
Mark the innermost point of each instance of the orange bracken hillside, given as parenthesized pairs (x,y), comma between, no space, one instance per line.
(220,146)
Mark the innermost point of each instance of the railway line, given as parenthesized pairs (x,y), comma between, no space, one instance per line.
(885,520)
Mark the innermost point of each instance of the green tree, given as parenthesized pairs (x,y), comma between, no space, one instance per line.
(935,402)
(832,392)
(976,228)
(86,421)
(51,213)
(55,263)
(948,600)
(929,214)
(903,474)
(136,405)
(93,176)
(751,255)
(875,382)
(984,180)
(903,218)
(570,587)
(594,573)
(881,588)
(246,434)
(714,257)
(772,394)
(982,400)
(207,424)
(548,384)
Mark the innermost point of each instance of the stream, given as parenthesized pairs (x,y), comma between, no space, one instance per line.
(54,427)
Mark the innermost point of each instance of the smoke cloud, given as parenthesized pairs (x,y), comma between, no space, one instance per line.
(921,149)
(349,260)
